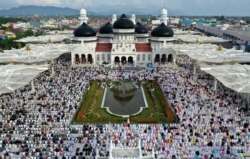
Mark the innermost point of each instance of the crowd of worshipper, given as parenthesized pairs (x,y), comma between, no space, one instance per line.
(37,124)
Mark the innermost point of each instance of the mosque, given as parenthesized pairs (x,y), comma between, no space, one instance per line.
(123,42)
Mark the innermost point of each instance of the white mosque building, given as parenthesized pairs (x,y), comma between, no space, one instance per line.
(123,42)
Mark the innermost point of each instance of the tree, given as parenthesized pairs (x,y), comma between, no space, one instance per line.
(221,18)
(248,21)
(6,44)
(49,41)
(27,49)
(197,40)
(18,45)
(219,48)
(28,33)
(4,28)
(4,20)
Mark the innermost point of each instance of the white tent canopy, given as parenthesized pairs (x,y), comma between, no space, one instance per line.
(211,53)
(36,53)
(215,56)
(199,38)
(68,32)
(235,77)
(182,48)
(184,32)
(45,38)
(13,77)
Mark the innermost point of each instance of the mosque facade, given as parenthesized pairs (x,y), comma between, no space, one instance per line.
(123,42)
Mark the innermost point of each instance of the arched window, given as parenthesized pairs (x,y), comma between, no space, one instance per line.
(117,59)
(163,58)
(157,58)
(83,58)
(77,59)
(130,60)
(124,60)
(170,58)
(90,58)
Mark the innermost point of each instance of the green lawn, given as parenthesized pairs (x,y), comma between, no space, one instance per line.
(91,112)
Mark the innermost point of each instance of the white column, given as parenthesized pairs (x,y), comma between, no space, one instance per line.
(139,147)
(111,145)
(52,68)
(135,60)
(94,61)
(72,59)
(195,68)
(114,17)
(111,61)
(97,153)
(215,85)
(153,153)
(32,86)
(165,44)
(110,149)
(133,18)
(248,102)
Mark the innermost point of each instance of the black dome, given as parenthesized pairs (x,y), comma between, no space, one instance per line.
(84,30)
(106,29)
(140,29)
(124,23)
(162,31)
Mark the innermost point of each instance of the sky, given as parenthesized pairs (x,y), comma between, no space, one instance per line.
(181,7)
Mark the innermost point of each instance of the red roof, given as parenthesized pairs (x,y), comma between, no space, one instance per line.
(143,47)
(103,47)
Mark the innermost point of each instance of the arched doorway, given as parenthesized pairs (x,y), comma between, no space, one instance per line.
(117,59)
(163,58)
(170,58)
(84,60)
(130,60)
(90,59)
(77,59)
(124,60)
(157,58)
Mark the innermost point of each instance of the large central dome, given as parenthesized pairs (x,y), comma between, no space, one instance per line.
(162,31)
(124,23)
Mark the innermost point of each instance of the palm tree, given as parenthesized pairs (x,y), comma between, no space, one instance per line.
(52,67)
(197,40)
(219,48)
(49,41)
(27,50)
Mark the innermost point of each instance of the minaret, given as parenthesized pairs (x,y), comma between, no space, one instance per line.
(83,16)
(133,18)
(164,16)
(114,18)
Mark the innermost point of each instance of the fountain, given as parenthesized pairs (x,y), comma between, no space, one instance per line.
(123,92)
(124,99)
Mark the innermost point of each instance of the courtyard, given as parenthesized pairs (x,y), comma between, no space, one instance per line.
(145,104)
